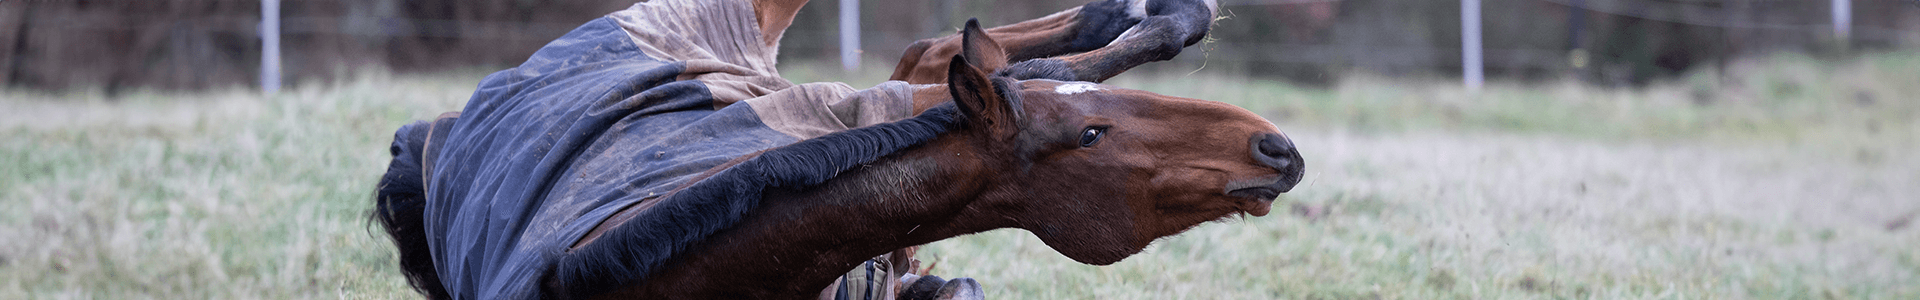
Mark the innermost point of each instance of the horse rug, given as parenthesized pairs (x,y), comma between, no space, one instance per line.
(622,109)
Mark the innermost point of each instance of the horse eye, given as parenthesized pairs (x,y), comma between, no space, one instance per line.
(1091,135)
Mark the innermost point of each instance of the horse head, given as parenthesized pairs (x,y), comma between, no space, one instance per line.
(1099,172)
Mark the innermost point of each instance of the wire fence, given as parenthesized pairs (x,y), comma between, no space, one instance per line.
(1343,49)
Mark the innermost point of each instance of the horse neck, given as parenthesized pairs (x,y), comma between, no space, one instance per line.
(807,237)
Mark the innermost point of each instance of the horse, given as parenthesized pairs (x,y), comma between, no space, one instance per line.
(655,153)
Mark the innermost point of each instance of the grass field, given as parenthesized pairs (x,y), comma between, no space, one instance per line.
(1790,178)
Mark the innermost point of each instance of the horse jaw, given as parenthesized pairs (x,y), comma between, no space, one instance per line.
(1091,234)
(1099,252)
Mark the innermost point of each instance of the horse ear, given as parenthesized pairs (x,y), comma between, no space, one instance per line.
(973,92)
(981,50)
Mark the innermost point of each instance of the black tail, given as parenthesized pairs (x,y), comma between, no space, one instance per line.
(400,205)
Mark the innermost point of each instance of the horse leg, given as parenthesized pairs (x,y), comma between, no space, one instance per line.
(1168,26)
(925,61)
(1094,30)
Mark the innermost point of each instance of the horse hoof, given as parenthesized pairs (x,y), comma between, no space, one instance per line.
(961,289)
(923,288)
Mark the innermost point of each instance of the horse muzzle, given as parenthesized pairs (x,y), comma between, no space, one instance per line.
(1277,152)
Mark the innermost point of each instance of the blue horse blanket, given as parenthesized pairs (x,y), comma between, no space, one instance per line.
(623,109)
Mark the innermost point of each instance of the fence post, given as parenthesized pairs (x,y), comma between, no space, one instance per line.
(849,34)
(1470,62)
(270,46)
(1842,20)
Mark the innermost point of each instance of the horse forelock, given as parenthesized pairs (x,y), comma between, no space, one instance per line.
(628,253)
(1010,89)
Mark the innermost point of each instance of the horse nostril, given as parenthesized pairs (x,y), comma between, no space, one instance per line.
(1275,146)
(1277,152)
(1273,150)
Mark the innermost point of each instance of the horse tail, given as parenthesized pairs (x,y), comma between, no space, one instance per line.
(400,204)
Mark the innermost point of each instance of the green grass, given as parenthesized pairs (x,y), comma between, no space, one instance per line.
(203,196)
(1779,180)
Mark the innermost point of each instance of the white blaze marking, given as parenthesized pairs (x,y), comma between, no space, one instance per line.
(1075,88)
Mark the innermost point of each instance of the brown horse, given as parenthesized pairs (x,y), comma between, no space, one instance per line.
(1010,140)
(1096,172)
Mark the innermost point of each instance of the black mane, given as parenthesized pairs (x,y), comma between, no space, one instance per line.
(628,253)
(399,202)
